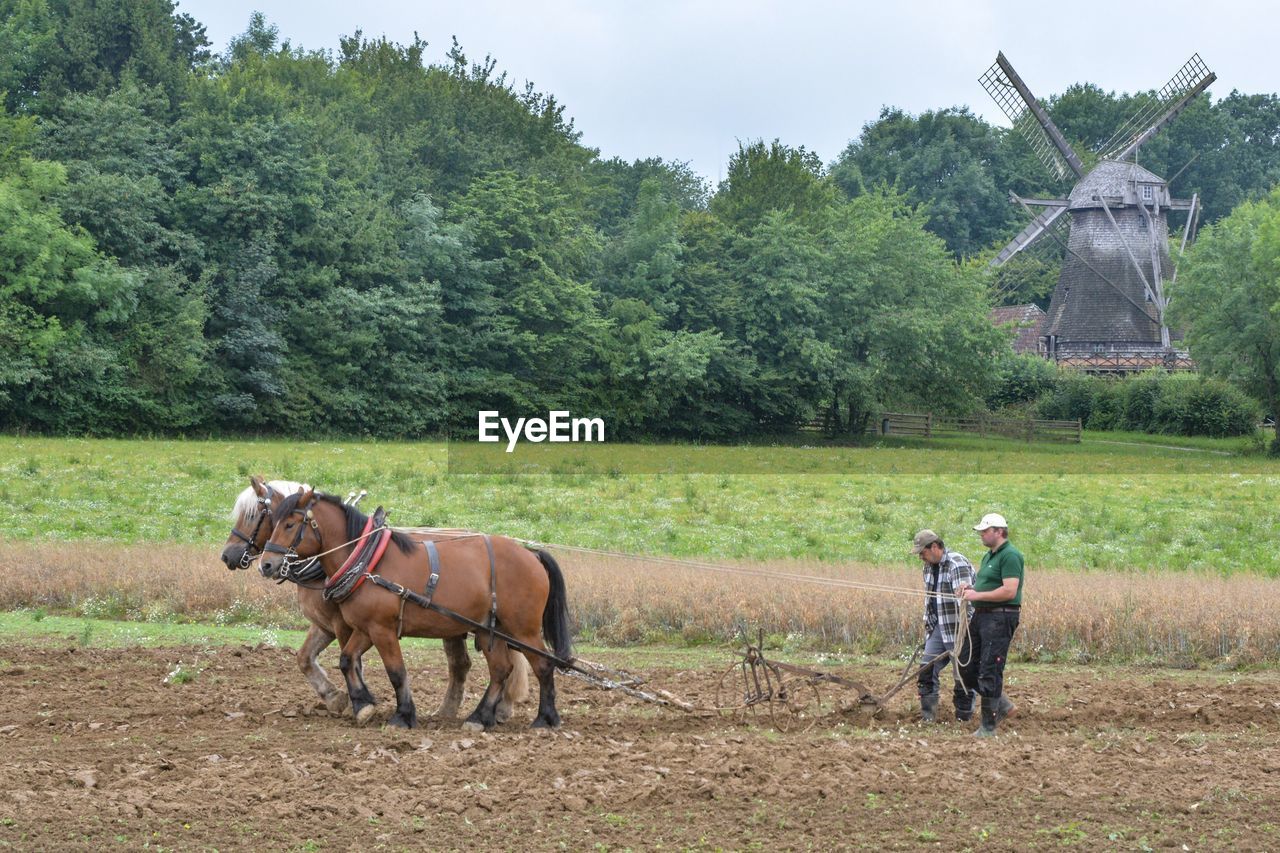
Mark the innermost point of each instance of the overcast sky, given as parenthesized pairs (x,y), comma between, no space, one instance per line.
(686,80)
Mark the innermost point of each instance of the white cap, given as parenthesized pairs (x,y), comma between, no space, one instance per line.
(991,519)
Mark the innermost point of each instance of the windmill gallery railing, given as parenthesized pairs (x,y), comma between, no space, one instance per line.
(928,425)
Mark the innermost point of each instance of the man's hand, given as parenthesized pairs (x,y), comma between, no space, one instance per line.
(968,593)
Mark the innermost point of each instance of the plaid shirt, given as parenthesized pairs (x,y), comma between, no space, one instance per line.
(942,580)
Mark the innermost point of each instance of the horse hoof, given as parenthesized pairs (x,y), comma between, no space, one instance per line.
(541,723)
(472,727)
(502,713)
(364,715)
(338,703)
(400,723)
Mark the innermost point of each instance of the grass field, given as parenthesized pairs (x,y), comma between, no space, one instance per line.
(1111,507)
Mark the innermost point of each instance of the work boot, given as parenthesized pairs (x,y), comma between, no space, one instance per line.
(988,727)
(1004,707)
(928,707)
(964,711)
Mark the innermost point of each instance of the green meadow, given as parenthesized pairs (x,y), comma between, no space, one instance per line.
(1115,502)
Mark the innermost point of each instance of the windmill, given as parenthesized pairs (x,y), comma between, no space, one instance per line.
(1108,308)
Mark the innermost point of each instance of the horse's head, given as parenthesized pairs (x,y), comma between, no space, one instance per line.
(297,534)
(251,517)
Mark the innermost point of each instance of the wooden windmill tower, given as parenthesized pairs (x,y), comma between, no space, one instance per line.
(1108,309)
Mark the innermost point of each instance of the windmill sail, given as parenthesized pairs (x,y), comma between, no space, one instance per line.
(1038,226)
(1029,118)
(1158,110)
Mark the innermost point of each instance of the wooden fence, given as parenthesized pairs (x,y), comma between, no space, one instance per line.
(928,425)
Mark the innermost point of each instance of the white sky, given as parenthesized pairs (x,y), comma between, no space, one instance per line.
(686,80)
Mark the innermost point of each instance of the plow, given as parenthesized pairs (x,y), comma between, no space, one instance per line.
(757,688)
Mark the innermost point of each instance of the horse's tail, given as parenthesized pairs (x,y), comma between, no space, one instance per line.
(555,616)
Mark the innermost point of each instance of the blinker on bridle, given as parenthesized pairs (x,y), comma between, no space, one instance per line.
(250,551)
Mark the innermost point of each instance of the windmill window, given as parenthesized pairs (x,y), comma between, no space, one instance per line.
(1147,193)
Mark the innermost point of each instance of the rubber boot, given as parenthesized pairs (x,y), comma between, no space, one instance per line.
(964,710)
(928,707)
(988,727)
(1004,707)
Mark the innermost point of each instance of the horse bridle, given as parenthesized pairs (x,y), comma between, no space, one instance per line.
(250,551)
(290,553)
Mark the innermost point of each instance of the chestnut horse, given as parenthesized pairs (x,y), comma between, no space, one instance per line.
(251,516)
(478,577)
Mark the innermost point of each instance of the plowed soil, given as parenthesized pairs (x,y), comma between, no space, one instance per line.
(98,751)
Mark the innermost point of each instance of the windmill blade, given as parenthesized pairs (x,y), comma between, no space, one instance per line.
(1186,233)
(1047,250)
(1030,119)
(1158,110)
(1043,222)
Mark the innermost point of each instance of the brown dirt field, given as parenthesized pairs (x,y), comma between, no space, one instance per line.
(96,751)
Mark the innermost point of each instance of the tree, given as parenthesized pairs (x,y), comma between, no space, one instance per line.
(907,324)
(779,266)
(642,262)
(123,172)
(541,256)
(764,178)
(945,160)
(53,48)
(1228,298)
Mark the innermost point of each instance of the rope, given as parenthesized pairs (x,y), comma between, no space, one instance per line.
(742,570)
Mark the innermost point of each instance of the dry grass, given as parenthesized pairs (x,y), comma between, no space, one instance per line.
(1077,616)
(153,583)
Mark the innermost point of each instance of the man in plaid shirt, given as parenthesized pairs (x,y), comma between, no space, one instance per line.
(944,571)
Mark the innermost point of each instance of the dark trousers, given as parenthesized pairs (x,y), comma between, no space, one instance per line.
(990,634)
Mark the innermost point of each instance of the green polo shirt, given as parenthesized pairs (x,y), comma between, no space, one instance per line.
(1003,562)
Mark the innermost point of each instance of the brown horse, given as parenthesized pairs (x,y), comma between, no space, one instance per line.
(251,516)
(477,576)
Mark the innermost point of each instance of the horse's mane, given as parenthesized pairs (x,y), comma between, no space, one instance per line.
(356,519)
(247,506)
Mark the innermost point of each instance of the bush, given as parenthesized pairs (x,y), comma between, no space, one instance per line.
(1021,379)
(1071,397)
(1153,402)
(1107,411)
(1140,396)
(1204,407)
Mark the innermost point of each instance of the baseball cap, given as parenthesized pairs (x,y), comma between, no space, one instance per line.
(991,519)
(923,540)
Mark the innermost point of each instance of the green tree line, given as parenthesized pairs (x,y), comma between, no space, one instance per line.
(364,242)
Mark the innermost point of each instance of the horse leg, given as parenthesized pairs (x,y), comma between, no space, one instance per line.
(455,649)
(516,688)
(361,699)
(548,717)
(484,716)
(388,645)
(316,641)
(343,631)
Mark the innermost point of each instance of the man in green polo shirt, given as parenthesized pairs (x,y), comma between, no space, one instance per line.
(997,598)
